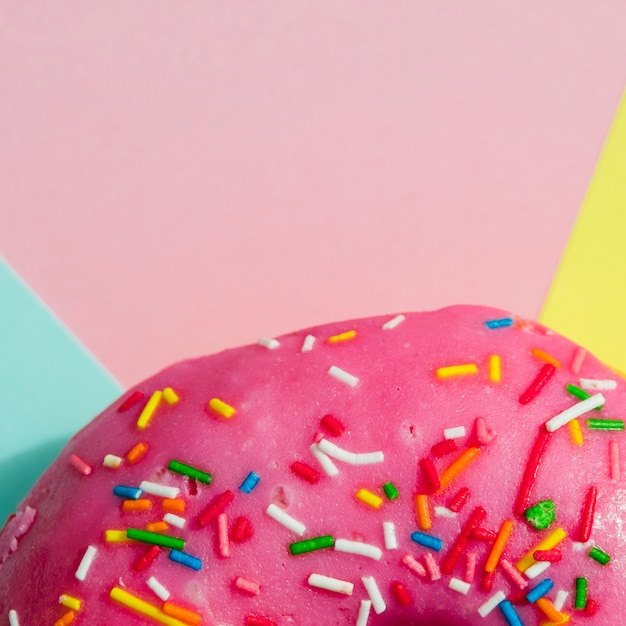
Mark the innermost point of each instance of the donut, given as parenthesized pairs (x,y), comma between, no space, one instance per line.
(452,467)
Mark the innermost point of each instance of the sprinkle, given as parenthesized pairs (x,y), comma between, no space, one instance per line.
(495,368)
(112,461)
(579,393)
(443,511)
(249,483)
(70,602)
(414,565)
(369,498)
(554,555)
(270,344)
(155,538)
(539,382)
(426,540)
(310,545)
(541,515)
(484,534)
(458,466)
(364,612)
(353,458)
(551,541)
(216,506)
(444,447)
(577,360)
(341,337)
(188,470)
(158,588)
(332,425)
(132,399)
(423,512)
(137,452)
(457,370)
(174,520)
(173,505)
(511,571)
(539,590)
(285,519)
(86,562)
(580,599)
(434,573)
(502,322)
(454,432)
(603,424)
(459,499)
(249,586)
(145,608)
(221,408)
(598,385)
(330,469)
(185,559)
(116,536)
(488,606)
(307,344)
(509,613)
(614,460)
(545,357)
(486,584)
(547,608)
(128,493)
(484,435)
(391,491)
(149,409)
(530,472)
(599,555)
(581,547)
(147,558)
(471,559)
(77,463)
(592,607)
(588,513)
(458,547)
(369,582)
(576,432)
(400,593)
(130,506)
(389,533)
(561,598)
(537,569)
(498,546)
(306,472)
(66,620)
(158,527)
(155,489)
(393,322)
(574,411)
(456,584)
(223,543)
(358,547)
(343,376)
(170,396)
(331,584)
(259,620)
(242,529)
(187,616)
(13,619)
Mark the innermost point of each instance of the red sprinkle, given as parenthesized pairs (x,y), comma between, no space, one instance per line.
(242,530)
(430,474)
(544,375)
(259,620)
(400,593)
(332,425)
(444,447)
(132,399)
(588,514)
(484,534)
(142,562)
(486,583)
(552,555)
(592,607)
(306,472)
(531,470)
(459,499)
(458,547)
(215,508)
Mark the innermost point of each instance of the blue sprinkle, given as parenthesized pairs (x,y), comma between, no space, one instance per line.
(249,483)
(428,541)
(500,323)
(129,493)
(510,614)
(539,590)
(185,559)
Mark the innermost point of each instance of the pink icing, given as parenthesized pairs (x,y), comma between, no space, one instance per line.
(398,407)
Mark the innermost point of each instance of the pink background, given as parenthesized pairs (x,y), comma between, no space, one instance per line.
(176,178)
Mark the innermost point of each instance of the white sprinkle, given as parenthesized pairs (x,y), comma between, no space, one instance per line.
(536,569)
(164,491)
(444,511)
(285,519)
(393,322)
(580,408)
(491,604)
(13,621)
(353,458)
(343,376)
(598,385)
(86,561)
(578,546)
(374,593)
(158,588)
(174,520)
(330,469)
(414,565)
(364,613)
(358,547)
(270,344)
(456,584)
(561,597)
(331,584)
(389,532)
(454,432)
(111,460)
(307,344)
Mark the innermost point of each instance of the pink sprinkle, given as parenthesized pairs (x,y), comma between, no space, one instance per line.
(249,586)
(222,535)
(614,459)
(80,465)
(511,571)
(431,567)
(483,434)
(414,565)
(318,437)
(470,567)
(577,360)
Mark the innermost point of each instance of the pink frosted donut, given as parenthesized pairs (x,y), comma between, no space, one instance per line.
(442,468)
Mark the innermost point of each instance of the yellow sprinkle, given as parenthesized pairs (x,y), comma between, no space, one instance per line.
(544,356)
(70,602)
(547,608)
(457,370)
(551,541)
(350,334)
(170,396)
(149,610)
(158,527)
(116,536)
(137,452)
(495,368)
(423,512)
(369,498)
(221,408)
(576,432)
(149,409)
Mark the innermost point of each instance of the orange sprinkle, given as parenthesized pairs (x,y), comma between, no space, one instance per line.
(129,506)
(498,545)
(423,512)
(457,466)
(191,617)
(157,527)
(173,505)
(576,432)
(350,334)
(547,608)
(137,452)
(545,357)
(68,618)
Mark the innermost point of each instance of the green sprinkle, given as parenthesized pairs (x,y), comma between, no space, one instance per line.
(579,393)
(391,491)
(599,424)
(160,540)
(599,555)
(541,515)
(580,600)
(309,545)
(188,470)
